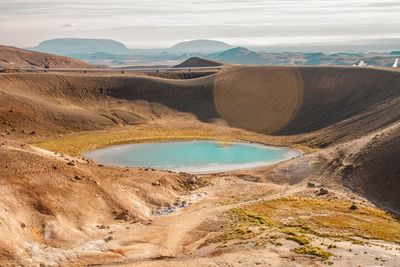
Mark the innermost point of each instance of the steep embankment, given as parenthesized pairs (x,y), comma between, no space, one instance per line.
(300,100)
(319,105)
(369,166)
(376,170)
(12,57)
(55,103)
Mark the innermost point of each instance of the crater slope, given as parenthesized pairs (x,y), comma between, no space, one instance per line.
(319,105)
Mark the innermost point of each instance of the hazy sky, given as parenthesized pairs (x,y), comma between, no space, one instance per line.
(160,23)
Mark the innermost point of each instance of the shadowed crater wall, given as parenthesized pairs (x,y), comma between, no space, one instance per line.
(270,100)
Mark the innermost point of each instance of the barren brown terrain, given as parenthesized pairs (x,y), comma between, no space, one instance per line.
(12,57)
(337,204)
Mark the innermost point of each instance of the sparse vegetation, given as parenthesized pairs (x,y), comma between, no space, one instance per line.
(314,251)
(246,218)
(301,219)
(299,239)
(245,225)
(328,218)
(75,144)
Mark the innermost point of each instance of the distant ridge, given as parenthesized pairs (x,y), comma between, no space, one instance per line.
(113,53)
(12,57)
(240,55)
(194,62)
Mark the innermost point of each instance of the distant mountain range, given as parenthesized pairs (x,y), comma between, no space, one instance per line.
(68,46)
(242,55)
(113,53)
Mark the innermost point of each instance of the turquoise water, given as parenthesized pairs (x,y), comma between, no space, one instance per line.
(192,156)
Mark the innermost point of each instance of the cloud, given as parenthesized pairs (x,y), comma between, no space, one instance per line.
(160,22)
(70,24)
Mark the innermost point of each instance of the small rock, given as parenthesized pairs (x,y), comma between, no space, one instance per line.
(135,220)
(123,216)
(193,179)
(23,225)
(32,133)
(77,177)
(193,187)
(108,239)
(310,184)
(322,191)
(156,183)
(70,163)
(353,207)
(184,204)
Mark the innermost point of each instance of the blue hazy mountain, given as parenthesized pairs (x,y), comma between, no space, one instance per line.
(199,46)
(69,46)
(80,46)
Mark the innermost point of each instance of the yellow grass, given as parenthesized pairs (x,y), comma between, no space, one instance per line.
(75,144)
(302,220)
(328,218)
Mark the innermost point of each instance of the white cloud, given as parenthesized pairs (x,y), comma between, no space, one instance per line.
(156,23)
